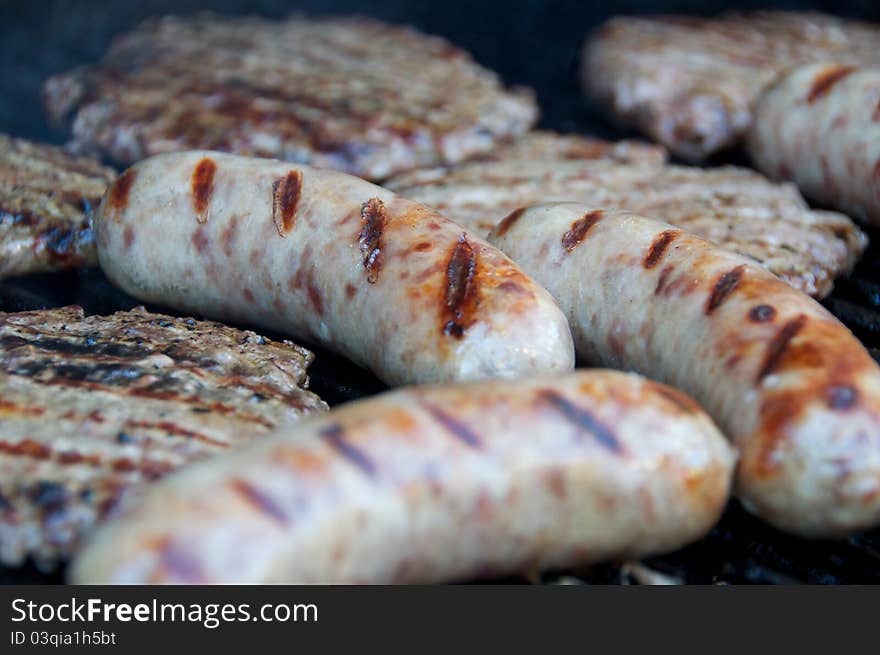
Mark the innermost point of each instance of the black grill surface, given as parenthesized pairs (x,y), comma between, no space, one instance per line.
(531,42)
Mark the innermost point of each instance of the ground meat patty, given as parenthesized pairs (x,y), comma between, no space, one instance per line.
(738,209)
(691,82)
(820,127)
(95,407)
(45,198)
(347,93)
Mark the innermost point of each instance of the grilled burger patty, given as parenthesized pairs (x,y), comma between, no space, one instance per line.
(691,83)
(738,209)
(348,93)
(45,198)
(95,407)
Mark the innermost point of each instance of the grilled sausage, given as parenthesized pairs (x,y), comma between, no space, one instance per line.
(820,127)
(431,484)
(792,387)
(325,256)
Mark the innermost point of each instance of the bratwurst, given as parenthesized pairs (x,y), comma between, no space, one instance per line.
(790,385)
(820,127)
(325,256)
(434,484)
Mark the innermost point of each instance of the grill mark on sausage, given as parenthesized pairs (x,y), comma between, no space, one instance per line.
(461,289)
(762,313)
(229,235)
(724,287)
(373,219)
(825,80)
(658,247)
(173,428)
(555,481)
(258,499)
(509,221)
(177,561)
(335,436)
(776,348)
(121,189)
(661,281)
(684,402)
(203,187)
(578,231)
(200,240)
(453,426)
(841,396)
(314,294)
(583,420)
(876,117)
(285,198)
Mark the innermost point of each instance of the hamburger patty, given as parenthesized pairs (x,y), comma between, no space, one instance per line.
(353,94)
(94,408)
(45,199)
(736,208)
(691,83)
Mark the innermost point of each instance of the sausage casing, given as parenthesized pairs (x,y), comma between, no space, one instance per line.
(325,256)
(819,126)
(794,389)
(431,484)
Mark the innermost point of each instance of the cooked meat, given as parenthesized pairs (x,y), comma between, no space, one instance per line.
(691,83)
(92,408)
(435,484)
(391,285)
(738,209)
(819,126)
(45,198)
(792,388)
(545,144)
(348,93)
